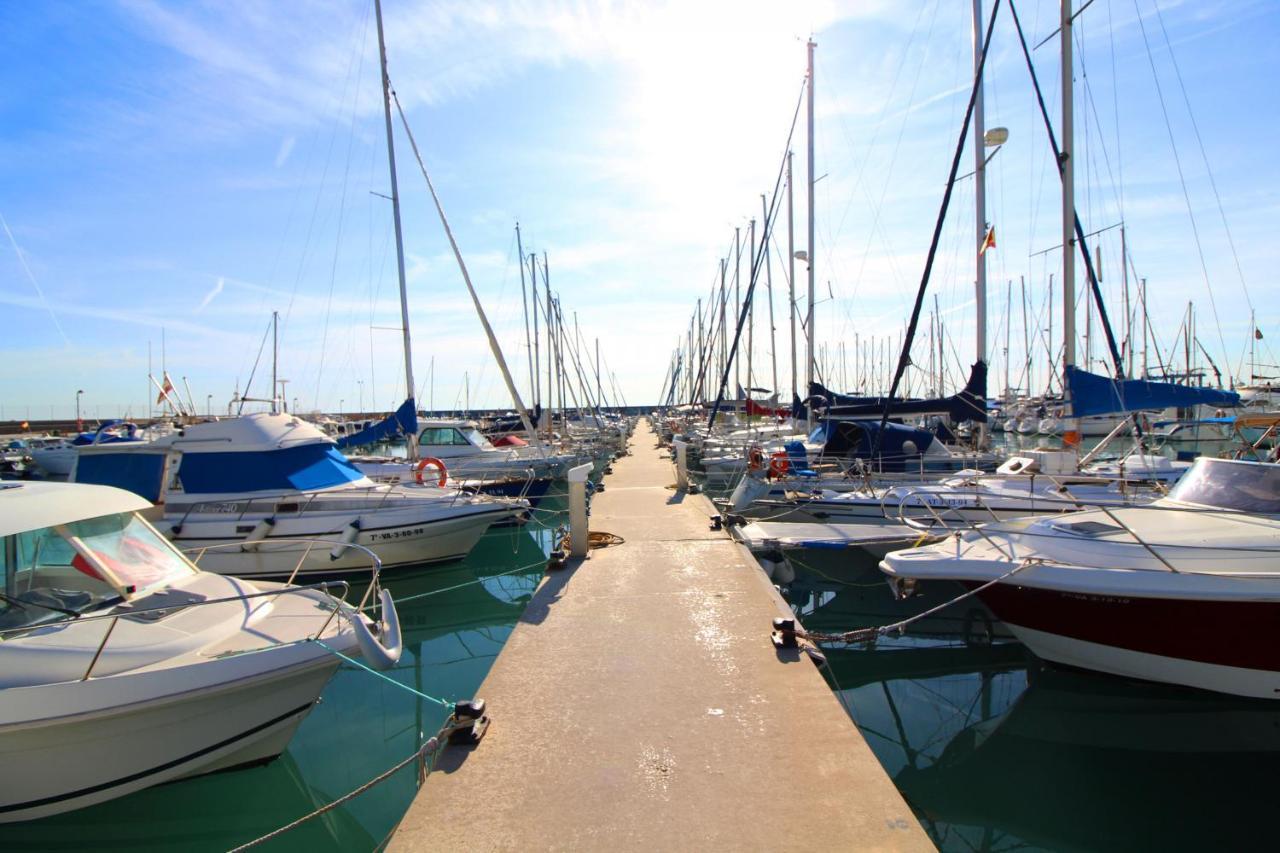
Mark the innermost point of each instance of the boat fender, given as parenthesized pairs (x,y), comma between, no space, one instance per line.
(439,465)
(260,531)
(381,652)
(349,534)
(779,464)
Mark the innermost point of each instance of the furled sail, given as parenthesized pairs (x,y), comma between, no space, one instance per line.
(402,422)
(969,405)
(1092,394)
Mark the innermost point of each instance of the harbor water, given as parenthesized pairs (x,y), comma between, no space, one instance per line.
(995,750)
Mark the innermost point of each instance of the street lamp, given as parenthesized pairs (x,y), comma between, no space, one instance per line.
(79,423)
(360,383)
(208,406)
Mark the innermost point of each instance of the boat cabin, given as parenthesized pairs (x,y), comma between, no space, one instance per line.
(67,549)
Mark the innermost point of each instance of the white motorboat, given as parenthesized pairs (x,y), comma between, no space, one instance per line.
(1041,482)
(1184,591)
(264,481)
(469,457)
(123,665)
(58,456)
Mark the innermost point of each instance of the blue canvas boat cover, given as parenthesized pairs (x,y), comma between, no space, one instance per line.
(1092,394)
(404,421)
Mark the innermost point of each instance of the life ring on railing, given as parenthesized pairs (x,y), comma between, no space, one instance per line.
(779,464)
(431,460)
(755,459)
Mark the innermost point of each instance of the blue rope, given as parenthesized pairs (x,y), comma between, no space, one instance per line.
(441,702)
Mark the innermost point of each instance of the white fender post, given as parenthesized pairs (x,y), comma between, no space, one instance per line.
(682,465)
(578,509)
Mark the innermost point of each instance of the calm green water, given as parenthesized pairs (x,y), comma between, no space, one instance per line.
(455,620)
(996,751)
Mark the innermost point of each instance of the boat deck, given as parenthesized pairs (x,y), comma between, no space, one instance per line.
(639,705)
(760,535)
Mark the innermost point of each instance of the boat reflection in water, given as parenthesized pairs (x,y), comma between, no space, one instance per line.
(454,621)
(995,750)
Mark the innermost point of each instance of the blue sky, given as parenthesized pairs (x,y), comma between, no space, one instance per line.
(189,167)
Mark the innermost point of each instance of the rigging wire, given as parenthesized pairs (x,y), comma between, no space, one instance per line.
(1182,180)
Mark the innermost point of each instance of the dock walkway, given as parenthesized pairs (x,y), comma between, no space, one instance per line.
(639,705)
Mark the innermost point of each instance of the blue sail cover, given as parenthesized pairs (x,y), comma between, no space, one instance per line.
(302,468)
(404,421)
(1092,394)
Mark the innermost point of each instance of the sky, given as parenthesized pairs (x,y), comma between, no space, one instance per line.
(173,172)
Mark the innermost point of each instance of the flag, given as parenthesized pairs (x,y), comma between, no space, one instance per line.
(988,242)
(1257,334)
(165,388)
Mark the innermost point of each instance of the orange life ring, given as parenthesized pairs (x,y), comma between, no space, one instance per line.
(431,460)
(779,464)
(755,459)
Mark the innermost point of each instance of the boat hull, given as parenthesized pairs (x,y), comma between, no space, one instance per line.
(432,540)
(1222,646)
(66,763)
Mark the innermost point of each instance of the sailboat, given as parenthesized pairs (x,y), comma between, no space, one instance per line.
(267,480)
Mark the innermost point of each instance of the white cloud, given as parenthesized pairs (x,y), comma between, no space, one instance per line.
(209,297)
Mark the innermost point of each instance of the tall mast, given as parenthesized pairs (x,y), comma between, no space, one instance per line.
(768,277)
(552,350)
(979,203)
(275,359)
(1070,432)
(791,271)
(811,259)
(533,289)
(395,214)
(737,299)
(524,300)
(751,310)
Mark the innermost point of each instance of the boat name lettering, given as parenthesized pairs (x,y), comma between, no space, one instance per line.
(397,534)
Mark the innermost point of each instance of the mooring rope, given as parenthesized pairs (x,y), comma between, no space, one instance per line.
(864,635)
(426,755)
(441,702)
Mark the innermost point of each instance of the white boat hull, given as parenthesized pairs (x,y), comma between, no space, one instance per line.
(64,763)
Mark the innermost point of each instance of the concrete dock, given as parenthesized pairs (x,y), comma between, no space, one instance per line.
(639,705)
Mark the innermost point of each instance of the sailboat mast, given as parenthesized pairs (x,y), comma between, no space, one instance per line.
(1070,432)
(275,359)
(809,322)
(979,205)
(395,214)
(791,271)
(524,300)
(537,365)
(768,277)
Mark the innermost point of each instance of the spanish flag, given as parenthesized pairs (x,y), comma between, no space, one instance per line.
(165,389)
(988,242)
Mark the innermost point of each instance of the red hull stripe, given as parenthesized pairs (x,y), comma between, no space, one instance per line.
(1229,633)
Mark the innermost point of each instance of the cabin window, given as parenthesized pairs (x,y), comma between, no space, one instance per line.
(442,436)
(1243,486)
(49,574)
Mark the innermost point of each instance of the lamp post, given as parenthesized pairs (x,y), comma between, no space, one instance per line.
(360,384)
(79,423)
(208,406)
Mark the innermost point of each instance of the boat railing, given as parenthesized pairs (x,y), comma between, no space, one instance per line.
(960,523)
(113,618)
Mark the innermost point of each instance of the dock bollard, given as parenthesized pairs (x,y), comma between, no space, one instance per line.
(682,465)
(578,529)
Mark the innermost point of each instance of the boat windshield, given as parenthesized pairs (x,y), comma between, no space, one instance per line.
(474,436)
(55,573)
(1228,484)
